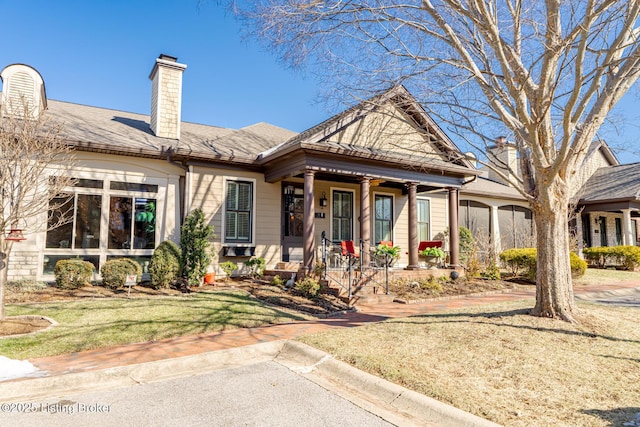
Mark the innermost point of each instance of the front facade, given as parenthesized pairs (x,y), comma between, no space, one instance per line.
(380,171)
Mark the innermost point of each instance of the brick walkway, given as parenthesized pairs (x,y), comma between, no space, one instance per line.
(190,345)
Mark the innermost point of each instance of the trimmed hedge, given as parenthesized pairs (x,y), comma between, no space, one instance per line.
(525,260)
(626,256)
(165,264)
(115,271)
(73,273)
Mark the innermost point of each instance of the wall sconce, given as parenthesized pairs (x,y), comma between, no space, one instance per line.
(596,220)
(323,200)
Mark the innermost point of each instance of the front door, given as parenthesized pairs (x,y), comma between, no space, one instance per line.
(603,231)
(292,217)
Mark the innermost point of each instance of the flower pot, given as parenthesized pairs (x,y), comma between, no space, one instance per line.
(210,278)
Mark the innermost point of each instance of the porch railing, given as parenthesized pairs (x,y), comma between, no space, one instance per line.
(349,272)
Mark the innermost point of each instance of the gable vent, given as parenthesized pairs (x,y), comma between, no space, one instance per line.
(23,91)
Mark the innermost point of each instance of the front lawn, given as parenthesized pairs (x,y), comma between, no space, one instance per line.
(94,323)
(500,363)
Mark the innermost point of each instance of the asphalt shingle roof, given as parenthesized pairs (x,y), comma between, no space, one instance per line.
(620,182)
(130,132)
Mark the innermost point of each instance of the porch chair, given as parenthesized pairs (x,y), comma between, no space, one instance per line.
(349,252)
(429,244)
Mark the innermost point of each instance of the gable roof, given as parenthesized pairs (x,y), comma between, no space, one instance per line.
(613,183)
(319,138)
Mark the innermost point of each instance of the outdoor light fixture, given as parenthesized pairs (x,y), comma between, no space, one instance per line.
(323,200)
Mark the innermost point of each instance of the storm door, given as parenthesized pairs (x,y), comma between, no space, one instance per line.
(292,222)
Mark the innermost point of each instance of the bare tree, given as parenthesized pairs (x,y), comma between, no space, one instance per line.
(34,171)
(548,72)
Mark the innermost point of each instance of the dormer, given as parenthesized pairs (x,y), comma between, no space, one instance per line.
(23,91)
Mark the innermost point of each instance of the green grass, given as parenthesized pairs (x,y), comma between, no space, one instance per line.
(89,324)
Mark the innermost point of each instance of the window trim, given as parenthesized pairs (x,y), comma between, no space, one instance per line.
(393,215)
(353,216)
(252,216)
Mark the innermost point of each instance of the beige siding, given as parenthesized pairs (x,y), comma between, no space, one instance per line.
(208,192)
(388,129)
(588,168)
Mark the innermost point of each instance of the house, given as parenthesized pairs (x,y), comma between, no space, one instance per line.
(382,170)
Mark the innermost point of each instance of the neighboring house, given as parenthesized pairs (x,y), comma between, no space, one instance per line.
(380,171)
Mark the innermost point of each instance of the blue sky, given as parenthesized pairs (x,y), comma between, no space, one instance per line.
(100,53)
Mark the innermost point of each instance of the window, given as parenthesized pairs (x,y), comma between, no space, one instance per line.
(238,211)
(132,223)
(383,218)
(74,221)
(423,219)
(516,227)
(476,217)
(342,215)
(96,216)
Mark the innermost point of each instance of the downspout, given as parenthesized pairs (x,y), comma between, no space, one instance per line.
(184,183)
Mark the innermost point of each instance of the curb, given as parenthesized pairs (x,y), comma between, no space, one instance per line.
(375,394)
(383,398)
(587,296)
(28,389)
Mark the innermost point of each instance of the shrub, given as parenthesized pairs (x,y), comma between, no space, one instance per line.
(228,267)
(277,281)
(493,272)
(195,245)
(626,256)
(115,271)
(73,273)
(256,267)
(431,284)
(308,286)
(165,264)
(526,259)
(578,265)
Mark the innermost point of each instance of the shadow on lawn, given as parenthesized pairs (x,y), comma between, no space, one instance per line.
(629,416)
(451,318)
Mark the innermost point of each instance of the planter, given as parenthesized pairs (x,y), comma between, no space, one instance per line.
(432,261)
(210,278)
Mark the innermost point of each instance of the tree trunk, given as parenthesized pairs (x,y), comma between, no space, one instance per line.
(4,261)
(554,287)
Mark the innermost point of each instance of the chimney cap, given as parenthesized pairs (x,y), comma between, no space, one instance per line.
(168,57)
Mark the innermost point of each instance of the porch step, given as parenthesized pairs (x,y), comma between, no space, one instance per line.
(284,274)
(371,299)
(293,266)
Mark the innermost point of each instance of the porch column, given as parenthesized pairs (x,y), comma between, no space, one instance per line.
(454,236)
(308,223)
(495,233)
(579,236)
(365,220)
(413,226)
(627,237)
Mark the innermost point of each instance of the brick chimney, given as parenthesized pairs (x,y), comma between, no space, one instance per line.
(166,96)
(503,156)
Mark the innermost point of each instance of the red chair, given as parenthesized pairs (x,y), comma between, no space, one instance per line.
(386,243)
(348,249)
